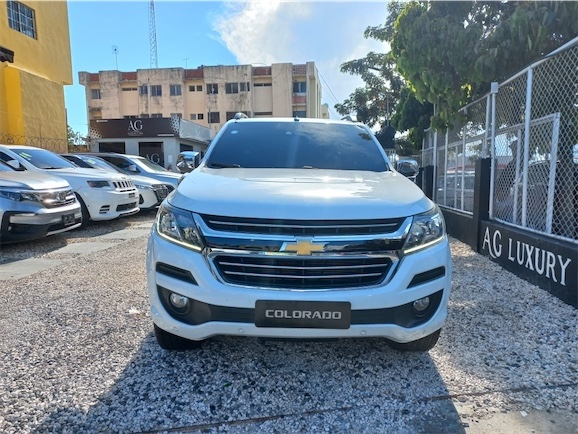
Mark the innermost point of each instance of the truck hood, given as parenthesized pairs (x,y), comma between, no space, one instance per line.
(31,181)
(299,194)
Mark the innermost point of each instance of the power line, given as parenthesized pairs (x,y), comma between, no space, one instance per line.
(329,88)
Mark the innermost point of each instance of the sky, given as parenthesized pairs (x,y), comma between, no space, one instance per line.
(194,33)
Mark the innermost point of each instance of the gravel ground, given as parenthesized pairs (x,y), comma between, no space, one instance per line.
(78,355)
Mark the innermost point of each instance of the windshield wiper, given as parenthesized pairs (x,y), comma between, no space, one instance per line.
(222,165)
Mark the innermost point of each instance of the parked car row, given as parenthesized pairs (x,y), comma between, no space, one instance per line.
(43,193)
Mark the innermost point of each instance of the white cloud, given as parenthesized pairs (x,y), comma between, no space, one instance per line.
(327,33)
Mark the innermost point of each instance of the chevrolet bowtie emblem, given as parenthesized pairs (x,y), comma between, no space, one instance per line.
(302,247)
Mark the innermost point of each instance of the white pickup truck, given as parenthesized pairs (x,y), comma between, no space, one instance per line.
(298,228)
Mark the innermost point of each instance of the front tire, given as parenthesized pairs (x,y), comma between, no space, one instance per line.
(421,345)
(168,341)
(84,210)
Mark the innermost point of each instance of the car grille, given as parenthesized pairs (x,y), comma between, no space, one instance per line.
(123,185)
(302,273)
(126,206)
(55,199)
(161,191)
(302,227)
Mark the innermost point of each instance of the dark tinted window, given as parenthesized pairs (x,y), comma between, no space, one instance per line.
(297,145)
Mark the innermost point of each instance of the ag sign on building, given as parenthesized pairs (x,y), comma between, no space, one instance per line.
(547,262)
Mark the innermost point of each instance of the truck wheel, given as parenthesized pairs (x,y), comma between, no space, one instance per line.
(424,344)
(168,341)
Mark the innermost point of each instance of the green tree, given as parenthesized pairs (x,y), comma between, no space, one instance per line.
(450,52)
(74,139)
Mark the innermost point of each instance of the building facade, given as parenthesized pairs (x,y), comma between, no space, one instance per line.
(208,95)
(35,42)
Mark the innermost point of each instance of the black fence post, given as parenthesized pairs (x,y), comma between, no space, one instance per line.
(427,181)
(481,211)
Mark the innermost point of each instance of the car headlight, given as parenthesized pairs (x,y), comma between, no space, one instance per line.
(426,229)
(20,196)
(143,187)
(98,184)
(178,226)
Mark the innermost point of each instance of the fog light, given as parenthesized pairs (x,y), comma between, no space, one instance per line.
(179,301)
(421,305)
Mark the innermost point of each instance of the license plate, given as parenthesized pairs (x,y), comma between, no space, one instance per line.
(68,219)
(303,314)
(131,195)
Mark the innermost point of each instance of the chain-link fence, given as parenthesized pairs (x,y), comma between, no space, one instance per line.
(528,126)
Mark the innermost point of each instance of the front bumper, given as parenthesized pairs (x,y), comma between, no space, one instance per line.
(224,309)
(106,204)
(31,222)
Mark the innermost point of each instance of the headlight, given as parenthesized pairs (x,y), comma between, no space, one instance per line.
(19,196)
(427,229)
(178,226)
(143,187)
(98,184)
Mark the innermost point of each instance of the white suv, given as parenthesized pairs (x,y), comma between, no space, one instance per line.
(298,228)
(102,195)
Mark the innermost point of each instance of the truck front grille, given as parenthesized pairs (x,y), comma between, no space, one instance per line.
(55,199)
(124,185)
(302,273)
(302,227)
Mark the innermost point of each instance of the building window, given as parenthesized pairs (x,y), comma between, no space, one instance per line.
(128,89)
(156,90)
(193,116)
(191,88)
(144,116)
(21,18)
(143,90)
(214,117)
(95,93)
(244,87)
(199,88)
(263,113)
(300,114)
(175,89)
(156,115)
(262,84)
(200,116)
(212,88)
(299,87)
(130,116)
(231,87)
(176,115)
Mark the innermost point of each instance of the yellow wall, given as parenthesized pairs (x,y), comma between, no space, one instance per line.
(31,88)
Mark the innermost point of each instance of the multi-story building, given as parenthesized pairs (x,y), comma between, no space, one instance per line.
(36,64)
(208,95)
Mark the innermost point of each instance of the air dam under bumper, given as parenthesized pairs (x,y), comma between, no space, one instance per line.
(224,309)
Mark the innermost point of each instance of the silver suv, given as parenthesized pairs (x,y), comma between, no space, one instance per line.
(34,205)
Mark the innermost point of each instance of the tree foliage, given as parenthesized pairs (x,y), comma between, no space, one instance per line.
(450,52)
(447,53)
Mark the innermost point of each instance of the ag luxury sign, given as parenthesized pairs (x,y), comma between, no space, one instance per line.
(547,262)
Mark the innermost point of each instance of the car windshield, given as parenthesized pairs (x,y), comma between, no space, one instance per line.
(294,145)
(99,163)
(143,162)
(44,159)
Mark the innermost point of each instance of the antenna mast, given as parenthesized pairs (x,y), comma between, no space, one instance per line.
(153,36)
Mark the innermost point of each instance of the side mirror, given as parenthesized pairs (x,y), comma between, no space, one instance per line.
(409,169)
(132,168)
(15,164)
(185,166)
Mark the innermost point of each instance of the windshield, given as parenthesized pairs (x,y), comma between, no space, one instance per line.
(149,165)
(293,145)
(44,159)
(99,163)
